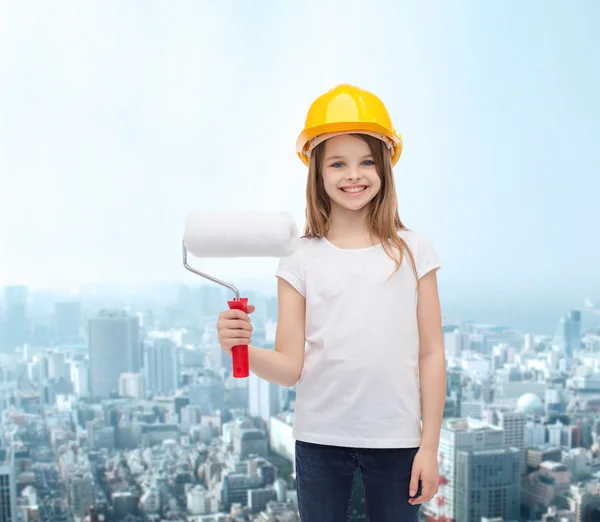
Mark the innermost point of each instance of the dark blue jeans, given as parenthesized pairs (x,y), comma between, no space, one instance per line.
(325,481)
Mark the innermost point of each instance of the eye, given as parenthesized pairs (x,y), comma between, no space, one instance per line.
(368,163)
(337,164)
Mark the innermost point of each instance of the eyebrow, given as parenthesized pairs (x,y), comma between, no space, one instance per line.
(331,158)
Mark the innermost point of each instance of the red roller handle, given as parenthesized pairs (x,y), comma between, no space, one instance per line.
(239,353)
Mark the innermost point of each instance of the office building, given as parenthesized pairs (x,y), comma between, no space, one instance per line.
(8,486)
(161,366)
(114,348)
(488,484)
(458,435)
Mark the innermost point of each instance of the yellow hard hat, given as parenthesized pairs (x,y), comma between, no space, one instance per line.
(346,109)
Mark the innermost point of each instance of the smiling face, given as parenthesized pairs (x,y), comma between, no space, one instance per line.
(349,173)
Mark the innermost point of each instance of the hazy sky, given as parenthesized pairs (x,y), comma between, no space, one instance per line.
(119,118)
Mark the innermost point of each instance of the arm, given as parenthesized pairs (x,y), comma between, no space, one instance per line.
(284,364)
(432,360)
(432,370)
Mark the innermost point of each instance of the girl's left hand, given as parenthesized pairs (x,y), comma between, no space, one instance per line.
(424,469)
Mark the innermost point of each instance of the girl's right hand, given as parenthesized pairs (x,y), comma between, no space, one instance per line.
(234,328)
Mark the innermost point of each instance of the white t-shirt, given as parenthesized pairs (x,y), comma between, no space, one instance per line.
(360,382)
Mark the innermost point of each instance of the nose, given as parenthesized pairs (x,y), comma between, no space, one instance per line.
(353,174)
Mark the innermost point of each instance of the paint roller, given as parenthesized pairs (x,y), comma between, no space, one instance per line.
(235,235)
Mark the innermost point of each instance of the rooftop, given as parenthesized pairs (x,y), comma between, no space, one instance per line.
(468,424)
(544,447)
(553,466)
(492,451)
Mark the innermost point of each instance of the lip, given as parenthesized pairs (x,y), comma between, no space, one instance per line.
(353,194)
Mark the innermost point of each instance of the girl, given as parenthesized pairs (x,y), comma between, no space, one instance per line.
(359,327)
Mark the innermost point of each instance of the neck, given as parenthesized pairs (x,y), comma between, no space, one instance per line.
(348,224)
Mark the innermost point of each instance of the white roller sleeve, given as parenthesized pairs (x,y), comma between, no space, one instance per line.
(240,234)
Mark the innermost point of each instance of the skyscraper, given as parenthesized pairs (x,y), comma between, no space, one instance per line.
(454,388)
(161,366)
(80,487)
(263,398)
(513,424)
(114,348)
(487,484)
(568,335)
(67,321)
(574,338)
(8,486)
(16,322)
(57,366)
(80,377)
(456,435)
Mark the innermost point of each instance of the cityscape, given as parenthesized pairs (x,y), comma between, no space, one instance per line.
(119,119)
(113,413)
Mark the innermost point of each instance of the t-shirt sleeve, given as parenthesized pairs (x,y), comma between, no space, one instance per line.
(427,258)
(291,269)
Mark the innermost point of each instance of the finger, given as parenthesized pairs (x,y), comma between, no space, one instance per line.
(238,341)
(236,314)
(414,482)
(424,496)
(251,308)
(236,333)
(237,324)
(229,335)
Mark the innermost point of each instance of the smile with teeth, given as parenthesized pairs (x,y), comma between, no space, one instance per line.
(354,190)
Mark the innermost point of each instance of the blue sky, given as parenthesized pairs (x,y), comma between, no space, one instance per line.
(118,119)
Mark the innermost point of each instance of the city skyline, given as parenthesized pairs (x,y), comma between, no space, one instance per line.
(520,416)
(530,315)
(117,120)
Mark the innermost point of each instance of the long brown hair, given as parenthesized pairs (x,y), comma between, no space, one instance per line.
(383,218)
